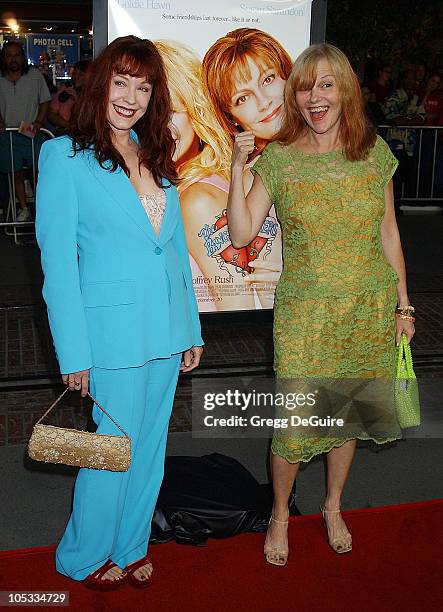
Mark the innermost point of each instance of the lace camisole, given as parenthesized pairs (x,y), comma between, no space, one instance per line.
(155,206)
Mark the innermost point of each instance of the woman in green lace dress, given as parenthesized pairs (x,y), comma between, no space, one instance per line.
(329,176)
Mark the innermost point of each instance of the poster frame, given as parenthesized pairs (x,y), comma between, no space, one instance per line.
(317,35)
(100,23)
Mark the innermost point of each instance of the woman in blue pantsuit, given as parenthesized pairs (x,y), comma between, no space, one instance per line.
(119,292)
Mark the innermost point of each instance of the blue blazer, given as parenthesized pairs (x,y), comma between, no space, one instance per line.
(117,295)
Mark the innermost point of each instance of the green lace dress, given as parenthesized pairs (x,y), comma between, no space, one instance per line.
(335,301)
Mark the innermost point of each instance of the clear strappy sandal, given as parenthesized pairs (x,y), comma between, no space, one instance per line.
(342,544)
(274,555)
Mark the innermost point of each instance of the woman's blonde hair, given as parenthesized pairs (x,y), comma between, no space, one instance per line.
(226,61)
(356,134)
(183,68)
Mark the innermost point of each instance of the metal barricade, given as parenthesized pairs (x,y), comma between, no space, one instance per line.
(12,226)
(426,163)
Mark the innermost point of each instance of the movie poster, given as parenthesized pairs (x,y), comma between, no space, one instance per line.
(227,63)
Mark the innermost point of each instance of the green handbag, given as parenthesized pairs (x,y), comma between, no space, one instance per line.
(407,402)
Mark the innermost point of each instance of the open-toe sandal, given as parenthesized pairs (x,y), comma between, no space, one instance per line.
(142,582)
(341,544)
(274,555)
(98,583)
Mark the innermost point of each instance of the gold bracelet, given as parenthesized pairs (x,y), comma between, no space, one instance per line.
(408,307)
(405,317)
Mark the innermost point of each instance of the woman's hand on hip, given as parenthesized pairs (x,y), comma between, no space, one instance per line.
(191,358)
(77,381)
(244,145)
(404,327)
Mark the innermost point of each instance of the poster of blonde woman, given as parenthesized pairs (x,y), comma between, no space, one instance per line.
(227,66)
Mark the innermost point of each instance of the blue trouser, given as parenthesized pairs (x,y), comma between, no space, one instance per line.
(112,511)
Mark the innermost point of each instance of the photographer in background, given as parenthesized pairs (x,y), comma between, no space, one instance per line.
(61,105)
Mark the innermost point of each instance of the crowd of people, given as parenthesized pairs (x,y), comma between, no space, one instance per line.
(417,95)
(24,101)
(415,100)
(29,102)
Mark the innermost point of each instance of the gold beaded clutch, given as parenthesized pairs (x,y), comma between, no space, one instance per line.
(80,448)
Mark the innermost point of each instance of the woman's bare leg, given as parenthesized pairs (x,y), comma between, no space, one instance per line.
(339,461)
(283,477)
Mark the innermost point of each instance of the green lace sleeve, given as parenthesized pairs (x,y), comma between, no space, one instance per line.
(387,162)
(265,167)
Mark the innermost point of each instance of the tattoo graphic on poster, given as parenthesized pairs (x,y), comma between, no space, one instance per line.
(231,80)
(218,245)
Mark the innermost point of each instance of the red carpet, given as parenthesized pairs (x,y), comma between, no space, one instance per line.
(396,565)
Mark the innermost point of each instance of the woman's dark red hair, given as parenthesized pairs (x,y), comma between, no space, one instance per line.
(89,127)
